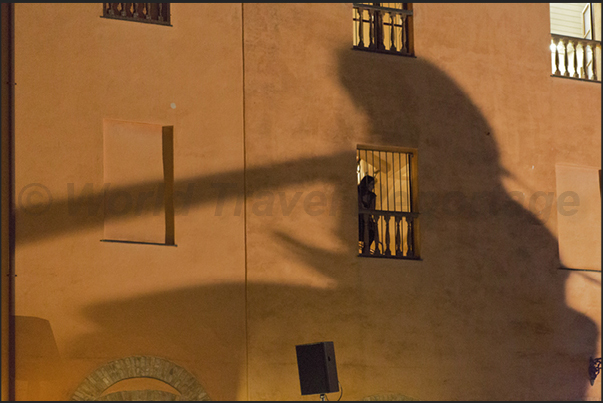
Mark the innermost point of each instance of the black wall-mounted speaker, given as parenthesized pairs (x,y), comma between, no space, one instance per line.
(317,368)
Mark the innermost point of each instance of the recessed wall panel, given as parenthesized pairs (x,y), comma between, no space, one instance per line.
(134,181)
(579,216)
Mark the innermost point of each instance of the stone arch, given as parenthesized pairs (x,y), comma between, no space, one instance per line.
(395,397)
(141,367)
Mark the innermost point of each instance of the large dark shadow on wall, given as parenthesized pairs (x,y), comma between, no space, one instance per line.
(483,316)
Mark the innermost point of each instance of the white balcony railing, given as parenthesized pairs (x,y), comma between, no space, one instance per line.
(575,58)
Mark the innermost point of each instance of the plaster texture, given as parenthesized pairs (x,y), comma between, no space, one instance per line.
(270,104)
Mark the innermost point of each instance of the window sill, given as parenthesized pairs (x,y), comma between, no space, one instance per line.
(571,269)
(576,78)
(137,243)
(387,52)
(143,20)
(391,257)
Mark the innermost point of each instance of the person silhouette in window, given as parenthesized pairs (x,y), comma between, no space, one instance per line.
(366,201)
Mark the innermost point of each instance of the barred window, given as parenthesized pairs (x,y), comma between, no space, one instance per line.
(154,13)
(387,203)
(383,27)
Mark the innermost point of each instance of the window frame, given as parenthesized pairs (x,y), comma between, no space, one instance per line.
(377,25)
(414,198)
(587,15)
(107,14)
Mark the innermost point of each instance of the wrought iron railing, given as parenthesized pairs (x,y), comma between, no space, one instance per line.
(594,367)
(154,13)
(394,235)
(576,57)
(383,29)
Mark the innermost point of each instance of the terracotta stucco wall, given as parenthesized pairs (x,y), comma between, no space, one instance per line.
(486,314)
(271,99)
(104,301)
(7,14)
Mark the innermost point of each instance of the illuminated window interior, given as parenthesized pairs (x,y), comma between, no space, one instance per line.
(387,212)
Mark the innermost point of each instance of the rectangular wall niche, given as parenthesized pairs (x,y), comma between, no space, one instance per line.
(139,182)
(579,216)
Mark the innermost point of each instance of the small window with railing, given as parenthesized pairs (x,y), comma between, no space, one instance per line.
(576,40)
(388,215)
(383,27)
(154,13)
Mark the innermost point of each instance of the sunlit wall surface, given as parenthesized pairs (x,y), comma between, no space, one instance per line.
(269,104)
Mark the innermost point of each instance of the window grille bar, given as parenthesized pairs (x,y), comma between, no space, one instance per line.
(400,175)
(387,181)
(373,163)
(392,37)
(394,179)
(408,164)
(380,31)
(370,14)
(380,182)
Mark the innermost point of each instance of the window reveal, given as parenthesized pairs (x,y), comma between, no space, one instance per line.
(387,205)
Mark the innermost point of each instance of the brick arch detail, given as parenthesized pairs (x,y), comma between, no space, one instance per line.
(140,367)
(140,395)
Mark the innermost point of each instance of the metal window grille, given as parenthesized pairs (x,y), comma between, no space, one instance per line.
(383,27)
(388,226)
(154,13)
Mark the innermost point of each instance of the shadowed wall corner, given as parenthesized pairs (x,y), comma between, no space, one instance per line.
(7,16)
